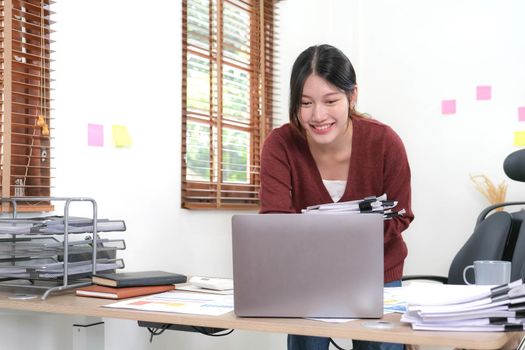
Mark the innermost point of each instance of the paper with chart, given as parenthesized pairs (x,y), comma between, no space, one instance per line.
(180,302)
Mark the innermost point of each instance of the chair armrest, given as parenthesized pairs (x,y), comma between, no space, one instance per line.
(487,210)
(441,279)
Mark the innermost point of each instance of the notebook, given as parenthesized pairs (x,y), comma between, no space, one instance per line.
(295,265)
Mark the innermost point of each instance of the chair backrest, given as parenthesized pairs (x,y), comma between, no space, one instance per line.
(514,167)
(518,255)
(488,242)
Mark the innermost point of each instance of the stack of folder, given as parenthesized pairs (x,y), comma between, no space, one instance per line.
(469,308)
(373,204)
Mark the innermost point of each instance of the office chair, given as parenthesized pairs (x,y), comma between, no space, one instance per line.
(499,236)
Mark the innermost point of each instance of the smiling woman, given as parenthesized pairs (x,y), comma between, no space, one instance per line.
(329,151)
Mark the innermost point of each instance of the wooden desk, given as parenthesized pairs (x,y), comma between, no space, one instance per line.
(69,304)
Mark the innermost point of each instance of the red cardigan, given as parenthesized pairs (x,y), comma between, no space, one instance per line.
(290,179)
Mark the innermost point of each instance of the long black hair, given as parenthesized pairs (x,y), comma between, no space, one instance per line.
(326,62)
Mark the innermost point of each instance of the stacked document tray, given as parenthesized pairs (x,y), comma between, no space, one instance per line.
(62,249)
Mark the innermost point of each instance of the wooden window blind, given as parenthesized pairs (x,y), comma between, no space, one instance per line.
(25,153)
(227,100)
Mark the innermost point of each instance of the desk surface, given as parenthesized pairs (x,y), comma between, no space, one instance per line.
(69,304)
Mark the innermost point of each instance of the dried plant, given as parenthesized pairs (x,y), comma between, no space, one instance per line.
(494,194)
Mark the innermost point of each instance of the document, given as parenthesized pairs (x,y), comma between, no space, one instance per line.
(373,204)
(180,302)
(55,225)
(38,248)
(357,205)
(393,301)
(191,288)
(496,311)
(79,226)
(56,269)
(479,328)
(465,308)
(430,294)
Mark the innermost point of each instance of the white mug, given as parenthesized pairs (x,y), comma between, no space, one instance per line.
(493,272)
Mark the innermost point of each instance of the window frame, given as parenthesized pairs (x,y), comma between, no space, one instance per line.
(217,193)
(25,121)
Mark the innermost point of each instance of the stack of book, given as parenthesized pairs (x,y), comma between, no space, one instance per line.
(130,284)
(468,308)
(377,205)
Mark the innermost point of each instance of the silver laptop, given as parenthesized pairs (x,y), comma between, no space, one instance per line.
(308,265)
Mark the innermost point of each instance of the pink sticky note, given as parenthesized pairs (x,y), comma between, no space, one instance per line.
(95,135)
(448,106)
(521,114)
(484,92)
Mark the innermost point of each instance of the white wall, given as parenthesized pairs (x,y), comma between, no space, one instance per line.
(419,53)
(119,62)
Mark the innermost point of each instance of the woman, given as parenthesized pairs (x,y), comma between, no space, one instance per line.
(328,153)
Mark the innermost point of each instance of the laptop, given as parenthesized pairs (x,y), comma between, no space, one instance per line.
(308,265)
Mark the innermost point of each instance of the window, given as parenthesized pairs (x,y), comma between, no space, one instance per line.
(25,150)
(228,82)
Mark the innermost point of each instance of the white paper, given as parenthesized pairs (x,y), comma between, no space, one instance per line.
(430,294)
(192,288)
(180,302)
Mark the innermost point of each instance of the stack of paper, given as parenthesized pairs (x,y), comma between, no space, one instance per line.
(56,225)
(379,205)
(466,308)
(45,269)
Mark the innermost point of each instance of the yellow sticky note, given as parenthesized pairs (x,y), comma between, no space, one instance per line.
(121,136)
(519,138)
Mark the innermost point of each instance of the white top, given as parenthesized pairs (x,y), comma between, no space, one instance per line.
(336,188)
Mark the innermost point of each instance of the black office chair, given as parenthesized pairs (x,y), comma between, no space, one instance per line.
(499,236)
